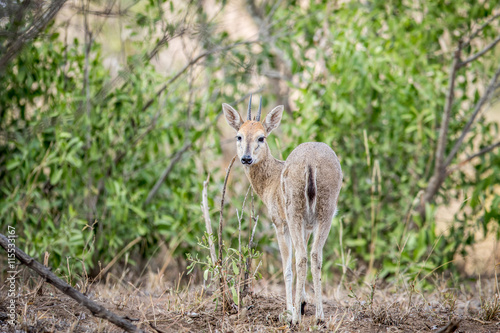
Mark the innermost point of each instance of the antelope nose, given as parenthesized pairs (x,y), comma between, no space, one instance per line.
(246,159)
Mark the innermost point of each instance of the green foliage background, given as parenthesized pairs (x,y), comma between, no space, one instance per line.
(368,78)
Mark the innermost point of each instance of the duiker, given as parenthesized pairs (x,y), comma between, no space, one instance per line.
(300,193)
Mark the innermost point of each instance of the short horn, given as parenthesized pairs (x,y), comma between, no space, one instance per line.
(260,110)
(249,112)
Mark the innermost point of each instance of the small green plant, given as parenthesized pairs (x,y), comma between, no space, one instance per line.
(449,299)
(232,267)
(232,270)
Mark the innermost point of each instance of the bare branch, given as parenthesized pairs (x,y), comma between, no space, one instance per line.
(481,28)
(96,309)
(118,256)
(480,53)
(102,13)
(253,218)
(164,40)
(221,217)
(443,132)
(483,151)
(37,27)
(167,171)
(479,105)
(441,163)
(439,166)
(221,223)
(191,63)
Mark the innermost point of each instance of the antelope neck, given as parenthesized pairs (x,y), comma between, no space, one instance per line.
(265,173)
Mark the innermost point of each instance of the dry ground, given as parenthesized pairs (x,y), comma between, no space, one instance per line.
(475,306)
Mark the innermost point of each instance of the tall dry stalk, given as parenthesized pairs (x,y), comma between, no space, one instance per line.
(208,222)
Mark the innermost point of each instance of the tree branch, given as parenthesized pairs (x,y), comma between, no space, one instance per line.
(481,28)
(439,166)
(480,53)
(483,151)
(167,171)
(479,105)
(280,63)
(189,64)
(36,28)
(96,309)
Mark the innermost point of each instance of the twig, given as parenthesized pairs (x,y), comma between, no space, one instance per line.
(191,63)
(102,13)
(443,133)
(96,309)
(451,327)
(89,198)
(479,105)
(221,223)
(480,53)
(208,222)
(115,259)
(481,28)
(439,167)
(250,245)
(473,156)
(36,28)
(167,171)
(240,261)
(221,217)
(155,328)
(240,217)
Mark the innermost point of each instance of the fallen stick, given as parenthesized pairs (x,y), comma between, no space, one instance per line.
(96,309)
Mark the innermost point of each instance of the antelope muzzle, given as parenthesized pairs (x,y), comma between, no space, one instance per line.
(246,159)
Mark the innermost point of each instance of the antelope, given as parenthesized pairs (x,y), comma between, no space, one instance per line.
(300,193)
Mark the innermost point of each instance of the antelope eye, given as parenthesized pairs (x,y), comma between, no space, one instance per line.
(261,139)
(238,138)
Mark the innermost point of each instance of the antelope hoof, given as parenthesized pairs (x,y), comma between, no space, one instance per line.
(321,323)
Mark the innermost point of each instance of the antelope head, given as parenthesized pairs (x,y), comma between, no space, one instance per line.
(251,134)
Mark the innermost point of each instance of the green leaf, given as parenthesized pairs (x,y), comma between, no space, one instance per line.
(236,270)
(56,176)
(205,274)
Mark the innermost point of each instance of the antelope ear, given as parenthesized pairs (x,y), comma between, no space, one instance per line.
(233,118)
(273,118)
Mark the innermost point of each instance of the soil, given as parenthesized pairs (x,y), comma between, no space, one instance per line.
(193,310)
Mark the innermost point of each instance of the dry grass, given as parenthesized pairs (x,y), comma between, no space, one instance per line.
(171,306)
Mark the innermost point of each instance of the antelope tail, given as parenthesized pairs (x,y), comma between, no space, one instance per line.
(311,189)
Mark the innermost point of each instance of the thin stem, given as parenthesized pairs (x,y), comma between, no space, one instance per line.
(480,53)
(443,132)
(473,156)
(208,222)
(191,63)
(479,105)
(221,223)
(167,171)
(481,28)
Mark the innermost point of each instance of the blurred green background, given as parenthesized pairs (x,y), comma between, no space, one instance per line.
(115,96)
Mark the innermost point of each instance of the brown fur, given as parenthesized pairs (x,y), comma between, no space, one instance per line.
(301,195)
